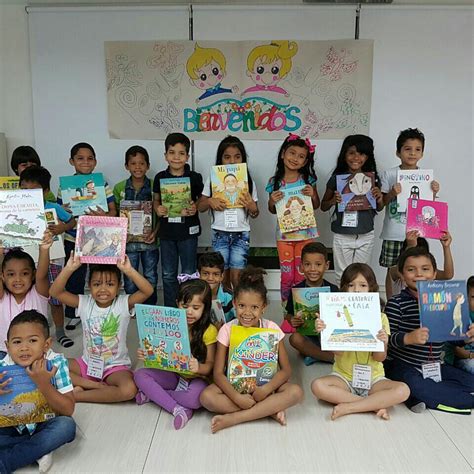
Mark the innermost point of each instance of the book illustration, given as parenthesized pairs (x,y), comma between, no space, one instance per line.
(22,220)
(295,210)
(139,217)
(429,218)
(25,403)
(175,195)
(217,312)
(229,183)
(9,183)
(101,239)
(444,309)
(356,191)
(83,192)
(306,304)
(352,321)
(253,357)
(163,335)
(416,184)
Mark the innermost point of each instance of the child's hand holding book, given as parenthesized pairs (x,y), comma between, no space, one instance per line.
(3,384)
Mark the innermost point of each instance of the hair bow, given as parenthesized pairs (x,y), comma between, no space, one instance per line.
(182,277)
(293,136)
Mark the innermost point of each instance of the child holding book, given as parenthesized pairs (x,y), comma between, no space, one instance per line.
(37,177)
(138,187)
(353,231)
(103,373)
(211,269)
(295,167)
(84,161)
(340,388)
(178,236)
(271,399)
(411,359)
(231,227)
(314,263)
(179,395)
(29,346)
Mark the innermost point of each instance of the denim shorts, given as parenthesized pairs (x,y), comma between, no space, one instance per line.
(234,247)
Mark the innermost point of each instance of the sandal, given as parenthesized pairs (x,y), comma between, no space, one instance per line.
(65,341)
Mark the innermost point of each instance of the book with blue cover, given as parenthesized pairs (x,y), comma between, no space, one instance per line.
(444,309)
(306,304)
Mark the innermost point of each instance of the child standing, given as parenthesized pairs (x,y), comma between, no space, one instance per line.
(178,236)
(410,148)
(271,399)
(139,188)
(353,231)
(29,346)
(37,177)
(340,388)
(103,372)
(295,167)
(231,227)
(314,263)
(84,160)
(179,395)
(411,359)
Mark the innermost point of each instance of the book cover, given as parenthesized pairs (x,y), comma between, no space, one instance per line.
(295,210)
(444,309)
(416,184)
(9,182)
(139,216)
(163,335)
(22,219)
(352,322)
(253,357)
(306,303)
(25,403)
(101,239)
(83,192)
(429,218)
(217,312)
(175,195)
(229,182)
(356,191)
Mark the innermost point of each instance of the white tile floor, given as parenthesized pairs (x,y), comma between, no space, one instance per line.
(130,438)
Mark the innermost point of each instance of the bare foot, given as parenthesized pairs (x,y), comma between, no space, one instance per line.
(280,417)
(383,413)
(339,410)
(219,422)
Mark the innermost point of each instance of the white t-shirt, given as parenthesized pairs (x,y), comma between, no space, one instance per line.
(243,224)
(105,330)
(394,224)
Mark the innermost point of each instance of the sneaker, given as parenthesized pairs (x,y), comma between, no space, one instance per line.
(181,417)
(309,360)
(73,323)
(45,462)
(418,408)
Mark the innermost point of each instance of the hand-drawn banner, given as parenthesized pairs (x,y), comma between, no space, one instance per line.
(257,89)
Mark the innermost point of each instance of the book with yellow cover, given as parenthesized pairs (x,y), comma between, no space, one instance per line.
(9,182)
(229,182)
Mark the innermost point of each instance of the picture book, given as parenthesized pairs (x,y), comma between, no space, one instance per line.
(229,182)
(175,195)
(416,184)
(356,191)
(101,239)
(444,309)
(139,216)
(83,192)
(295,211)
(306,304)
(163,335)
(429,218)
(217,312)
(253,357)
(25,403)
(22,219)
(9,182)
(57,249)
(352,322)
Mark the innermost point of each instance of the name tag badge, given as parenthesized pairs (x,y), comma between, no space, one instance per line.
(362,376)
(432,371)
(230,218)
(95,367)
(350,219)
(175,220)
(182,386)
(194,230)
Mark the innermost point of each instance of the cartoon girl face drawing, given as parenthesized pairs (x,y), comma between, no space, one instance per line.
(359,184)
(295,207)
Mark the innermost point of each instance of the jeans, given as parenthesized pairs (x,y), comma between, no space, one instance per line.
(233,246)
(76,282)
(20,449)
(171,251)
(149,260)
